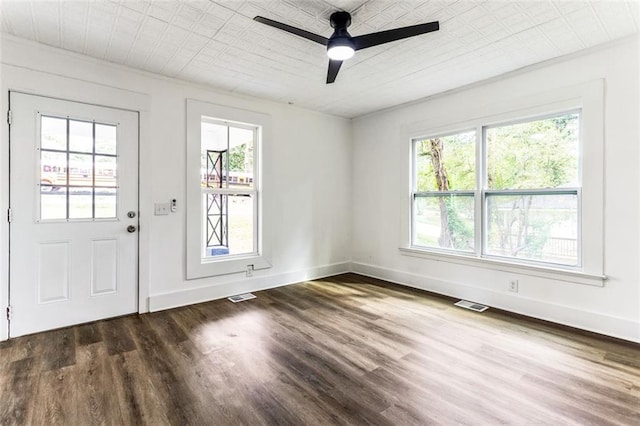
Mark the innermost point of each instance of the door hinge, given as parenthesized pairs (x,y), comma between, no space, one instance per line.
(9,215)
(9,117)
(9,313)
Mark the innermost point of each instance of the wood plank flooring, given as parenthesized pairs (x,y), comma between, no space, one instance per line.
(342,350)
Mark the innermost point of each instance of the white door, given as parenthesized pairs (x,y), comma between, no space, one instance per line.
(74,213)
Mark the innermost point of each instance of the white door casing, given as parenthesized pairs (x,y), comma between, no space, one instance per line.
(73,181)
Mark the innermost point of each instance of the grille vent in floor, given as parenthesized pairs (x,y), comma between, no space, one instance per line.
(470,305)
(241,297)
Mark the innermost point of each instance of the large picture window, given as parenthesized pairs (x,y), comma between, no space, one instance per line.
(508,191)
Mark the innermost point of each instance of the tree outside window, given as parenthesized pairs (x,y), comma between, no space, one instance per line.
(529,191)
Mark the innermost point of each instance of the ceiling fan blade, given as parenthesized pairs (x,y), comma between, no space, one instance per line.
(374,39)
(293,30)
(334,67)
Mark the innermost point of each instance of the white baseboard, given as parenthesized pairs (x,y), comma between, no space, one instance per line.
(159,302)
(585,320)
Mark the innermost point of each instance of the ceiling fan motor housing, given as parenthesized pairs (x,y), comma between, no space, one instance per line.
(340,37)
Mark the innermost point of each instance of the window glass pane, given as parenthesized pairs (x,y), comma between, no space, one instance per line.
(80,169)
(229,224)
(446,163)
(53,203)
(216,215)
(241,224)
(536,227)
(535,154)
(80,203)
(106,171)
(214,155)
(105,139)
(53,133)
(241,157)
(105,203)
(444,222)
(53,169)
(80,136)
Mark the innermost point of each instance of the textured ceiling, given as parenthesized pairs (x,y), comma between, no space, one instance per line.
(218,44)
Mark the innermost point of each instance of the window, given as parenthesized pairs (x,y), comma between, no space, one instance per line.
(516,196)
(78,164)
(224,190)
(228,191)
(532,190)
(445,187)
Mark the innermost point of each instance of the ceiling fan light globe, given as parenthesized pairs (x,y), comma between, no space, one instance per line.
(340,53)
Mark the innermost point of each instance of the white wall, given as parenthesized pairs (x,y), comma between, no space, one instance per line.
(308,155)
(324,168)
(379,144)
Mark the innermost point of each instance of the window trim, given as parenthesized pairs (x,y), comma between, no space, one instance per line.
(196,265)
(589,99)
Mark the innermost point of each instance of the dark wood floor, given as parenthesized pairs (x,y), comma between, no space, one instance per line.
(343,350)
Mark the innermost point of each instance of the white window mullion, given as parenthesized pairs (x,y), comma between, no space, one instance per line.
(479,198)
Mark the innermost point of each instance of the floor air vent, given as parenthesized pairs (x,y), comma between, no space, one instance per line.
(470,305)
(241,297)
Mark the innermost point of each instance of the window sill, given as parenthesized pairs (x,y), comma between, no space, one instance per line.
(572,276)
(231,265)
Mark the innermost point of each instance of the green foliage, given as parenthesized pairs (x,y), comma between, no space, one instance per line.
(237,158)
(532,155)
(458,155)
(460,232)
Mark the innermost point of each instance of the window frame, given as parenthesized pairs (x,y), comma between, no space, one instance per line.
(589,99)
(199,266)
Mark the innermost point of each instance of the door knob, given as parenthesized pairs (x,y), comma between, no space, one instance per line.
(131,228)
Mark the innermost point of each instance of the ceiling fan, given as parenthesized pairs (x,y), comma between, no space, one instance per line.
(341,45)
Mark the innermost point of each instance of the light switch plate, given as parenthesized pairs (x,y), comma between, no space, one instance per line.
(162,209)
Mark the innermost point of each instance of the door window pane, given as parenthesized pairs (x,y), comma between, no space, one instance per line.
(106,171)
(535,227)
(53,133)
(444,222)
(53,169)
(80,169)
(80,136)
(53,203)
(105,203)
(81,203)
(105,139)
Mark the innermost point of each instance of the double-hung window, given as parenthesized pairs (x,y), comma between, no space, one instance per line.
(229,188)
(444,191)
(225,192)
(509,191)
(532,190)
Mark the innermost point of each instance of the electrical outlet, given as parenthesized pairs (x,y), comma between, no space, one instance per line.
(249,270)
(513,285)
